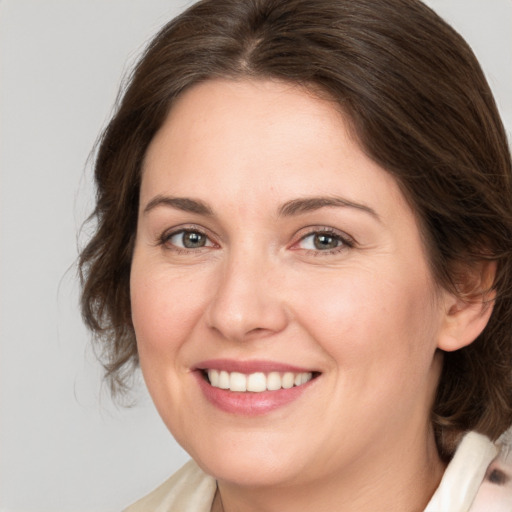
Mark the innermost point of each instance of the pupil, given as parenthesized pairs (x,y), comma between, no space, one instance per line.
(192,240)
(325,242)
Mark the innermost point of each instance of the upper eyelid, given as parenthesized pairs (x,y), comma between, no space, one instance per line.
(297,237)
(164,238)
(312,230)
(167,233)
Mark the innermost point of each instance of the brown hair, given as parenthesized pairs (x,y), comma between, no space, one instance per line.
(420,107)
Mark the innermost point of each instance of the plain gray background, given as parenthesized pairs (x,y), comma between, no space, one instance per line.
(64,447)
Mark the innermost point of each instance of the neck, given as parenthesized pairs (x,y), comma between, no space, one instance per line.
(399,482)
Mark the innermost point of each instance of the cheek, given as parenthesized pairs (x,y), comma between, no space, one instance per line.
(361,317)
(164,307)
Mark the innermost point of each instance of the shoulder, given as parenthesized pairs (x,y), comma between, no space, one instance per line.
(188,490)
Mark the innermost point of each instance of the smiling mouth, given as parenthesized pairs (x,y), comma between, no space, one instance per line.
(257,382)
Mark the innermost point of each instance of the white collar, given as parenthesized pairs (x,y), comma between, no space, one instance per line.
(463,475)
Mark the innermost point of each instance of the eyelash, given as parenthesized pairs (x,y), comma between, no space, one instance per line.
(345,242)
(165,240)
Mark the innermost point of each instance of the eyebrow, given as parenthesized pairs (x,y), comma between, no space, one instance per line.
(308,204)
(180,203)
(288,209)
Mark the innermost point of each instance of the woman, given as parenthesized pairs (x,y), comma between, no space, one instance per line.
(304,239)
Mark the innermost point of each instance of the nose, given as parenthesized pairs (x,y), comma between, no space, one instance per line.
(248,302)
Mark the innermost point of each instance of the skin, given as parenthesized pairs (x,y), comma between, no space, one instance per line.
(366,314)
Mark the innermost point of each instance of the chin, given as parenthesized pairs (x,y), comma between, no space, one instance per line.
(244,472)
(257,460)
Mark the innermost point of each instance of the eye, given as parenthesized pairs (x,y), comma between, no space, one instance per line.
(323,241)
(188,239)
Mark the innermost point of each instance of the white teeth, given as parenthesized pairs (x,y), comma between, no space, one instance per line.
(223,380)
(213,375)
(288,379)
(237,382)
(257,382)
(273,381)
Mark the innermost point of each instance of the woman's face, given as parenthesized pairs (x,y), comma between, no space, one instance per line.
(271,251)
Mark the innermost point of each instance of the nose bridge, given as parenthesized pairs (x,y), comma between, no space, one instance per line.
(247,302)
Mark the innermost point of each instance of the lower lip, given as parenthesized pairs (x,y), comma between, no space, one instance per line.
(247,403)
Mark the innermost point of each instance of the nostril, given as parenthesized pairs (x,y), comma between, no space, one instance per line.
(257,330)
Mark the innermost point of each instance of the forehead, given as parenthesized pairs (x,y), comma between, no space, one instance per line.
(272,139)
(252,117)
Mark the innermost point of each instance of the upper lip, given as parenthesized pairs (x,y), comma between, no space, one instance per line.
(247,367)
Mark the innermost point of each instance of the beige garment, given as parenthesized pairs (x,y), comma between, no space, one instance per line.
(191,490)
(188,490)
